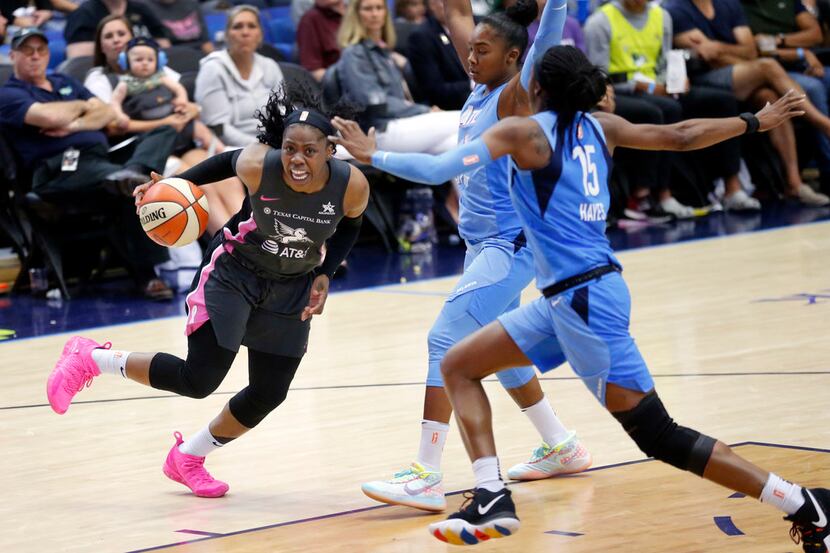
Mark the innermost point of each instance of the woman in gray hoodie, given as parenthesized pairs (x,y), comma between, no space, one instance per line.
(233,83)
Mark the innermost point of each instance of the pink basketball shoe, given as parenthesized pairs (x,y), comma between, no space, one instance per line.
(190,471)
(74,370)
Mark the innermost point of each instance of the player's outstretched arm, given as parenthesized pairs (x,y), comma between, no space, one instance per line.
(509,136)
(461,26)
(694,134)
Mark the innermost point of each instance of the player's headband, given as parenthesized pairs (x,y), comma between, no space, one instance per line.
(311,117)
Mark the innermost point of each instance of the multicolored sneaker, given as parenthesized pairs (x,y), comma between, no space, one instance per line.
(414,487)
(484,515)
(567,457)
(810,526)
(74,370)
(190,471)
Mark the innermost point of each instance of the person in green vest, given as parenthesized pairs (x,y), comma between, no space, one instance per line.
(786,30)
(630,40)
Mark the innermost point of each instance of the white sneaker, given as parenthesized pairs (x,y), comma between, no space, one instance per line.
(671,206)
(414,487)
(567,457)
(740,201)
(810,197)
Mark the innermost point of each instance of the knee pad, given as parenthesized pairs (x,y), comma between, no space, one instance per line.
(168,372)
(250,408)
(658,436)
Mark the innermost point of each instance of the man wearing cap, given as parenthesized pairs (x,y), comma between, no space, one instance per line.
(56,124)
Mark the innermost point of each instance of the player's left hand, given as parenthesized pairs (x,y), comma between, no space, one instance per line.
(358,143)
(786,107)
(317,298)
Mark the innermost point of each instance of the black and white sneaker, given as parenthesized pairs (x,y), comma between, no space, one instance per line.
(810,525)
(483,515)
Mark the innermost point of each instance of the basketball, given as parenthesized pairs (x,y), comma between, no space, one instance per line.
(174,212)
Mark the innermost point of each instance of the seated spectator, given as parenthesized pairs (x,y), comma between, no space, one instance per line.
(716,32)
(231,86)
(630,40)
(317,36)
(111,39)
(57,127)
(82,23)
(184,21)
(437,62)
(146,93)
(370,74)
(787,31)
(410,11)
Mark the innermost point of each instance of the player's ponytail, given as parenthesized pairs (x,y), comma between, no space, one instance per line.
(512,23)
(570,82)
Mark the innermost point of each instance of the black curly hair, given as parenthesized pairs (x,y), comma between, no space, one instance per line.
(512,23)
(571,83)
(289,97)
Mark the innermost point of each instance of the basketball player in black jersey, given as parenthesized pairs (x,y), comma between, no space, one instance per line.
(265,274)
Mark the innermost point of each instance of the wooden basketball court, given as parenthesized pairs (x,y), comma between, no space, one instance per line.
(735,331)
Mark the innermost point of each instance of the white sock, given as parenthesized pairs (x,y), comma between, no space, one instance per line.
(111,361)
(433,438)
(784,495)
(546,422)
(488,475)
(200,444)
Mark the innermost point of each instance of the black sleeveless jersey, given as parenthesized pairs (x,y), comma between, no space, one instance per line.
(279,232)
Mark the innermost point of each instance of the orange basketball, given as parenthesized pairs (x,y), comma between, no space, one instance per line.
(174,212)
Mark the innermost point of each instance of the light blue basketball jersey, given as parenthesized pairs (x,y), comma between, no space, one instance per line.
(485,210)
(563,206)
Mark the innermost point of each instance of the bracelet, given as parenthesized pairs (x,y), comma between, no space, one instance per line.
(800,53)
(651,87)
(752,122)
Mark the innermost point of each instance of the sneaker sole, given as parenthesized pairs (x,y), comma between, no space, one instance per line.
(538,475)
(52,385)
(399,500)
(460,532)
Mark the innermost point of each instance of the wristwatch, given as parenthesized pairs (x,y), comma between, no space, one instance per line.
(752,122)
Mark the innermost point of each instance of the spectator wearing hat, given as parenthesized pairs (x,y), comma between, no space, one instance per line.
(57,128)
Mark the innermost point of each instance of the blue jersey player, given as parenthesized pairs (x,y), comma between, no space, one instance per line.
(498,266)
(560,163)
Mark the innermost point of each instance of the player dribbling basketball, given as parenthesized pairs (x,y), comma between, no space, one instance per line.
(263,277)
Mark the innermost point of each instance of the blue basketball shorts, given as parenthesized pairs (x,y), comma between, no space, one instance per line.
(588,327)
(492,283)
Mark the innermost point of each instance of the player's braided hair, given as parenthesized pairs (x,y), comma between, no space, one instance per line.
(284,100)
(571,83)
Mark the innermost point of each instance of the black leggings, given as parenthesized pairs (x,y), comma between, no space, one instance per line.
(269,376)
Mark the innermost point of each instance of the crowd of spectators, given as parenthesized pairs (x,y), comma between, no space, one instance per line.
(666,62)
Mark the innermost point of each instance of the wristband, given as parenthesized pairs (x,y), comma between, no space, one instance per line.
(752,122)
(651,87)
(800,53)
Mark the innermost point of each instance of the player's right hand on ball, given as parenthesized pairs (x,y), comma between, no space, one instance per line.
(138,192)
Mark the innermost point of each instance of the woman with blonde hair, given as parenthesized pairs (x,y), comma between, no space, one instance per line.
(371,74)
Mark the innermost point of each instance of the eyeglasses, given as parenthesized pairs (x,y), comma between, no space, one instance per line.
(27,50)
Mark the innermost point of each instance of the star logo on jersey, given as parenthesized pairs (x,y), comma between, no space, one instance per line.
(328,209)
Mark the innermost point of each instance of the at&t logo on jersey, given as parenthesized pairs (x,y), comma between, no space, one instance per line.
(288,241)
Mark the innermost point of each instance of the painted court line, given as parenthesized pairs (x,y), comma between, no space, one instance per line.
(419,383)
(376,507)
